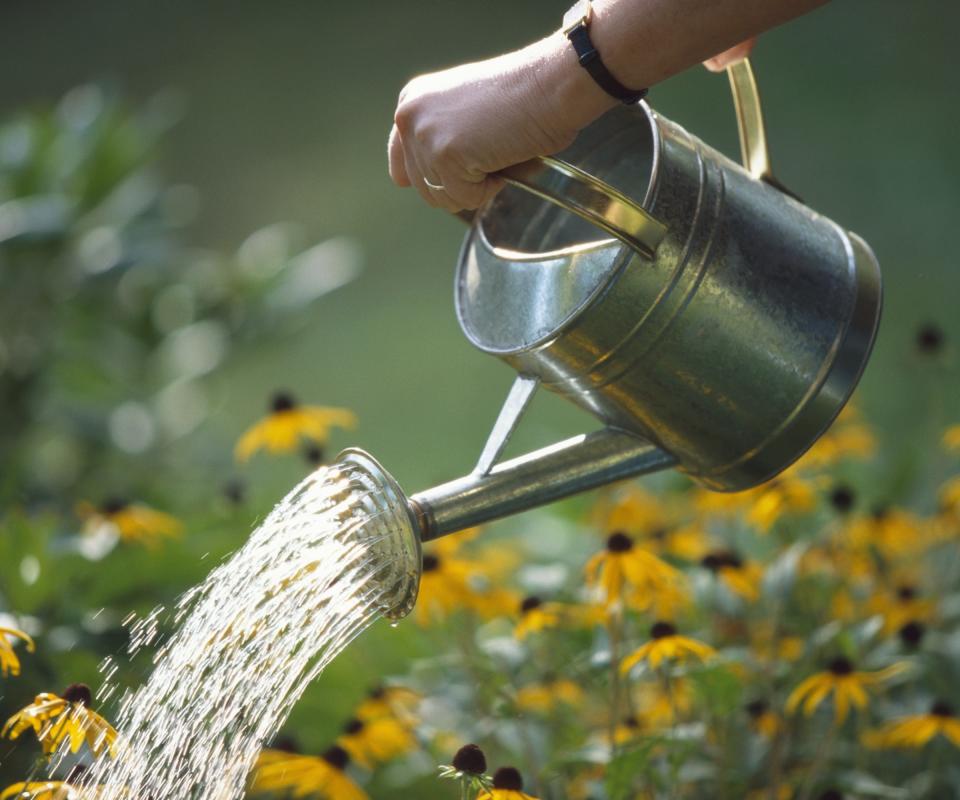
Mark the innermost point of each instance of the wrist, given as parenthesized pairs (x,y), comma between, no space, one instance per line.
(569,98)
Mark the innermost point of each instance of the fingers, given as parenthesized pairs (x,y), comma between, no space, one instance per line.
(398,169)
(737,53)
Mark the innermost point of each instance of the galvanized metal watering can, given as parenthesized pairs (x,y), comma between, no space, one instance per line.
(709,319)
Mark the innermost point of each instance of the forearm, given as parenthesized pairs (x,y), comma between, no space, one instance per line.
(643,42)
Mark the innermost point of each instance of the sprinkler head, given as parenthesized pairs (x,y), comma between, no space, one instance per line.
(392,529)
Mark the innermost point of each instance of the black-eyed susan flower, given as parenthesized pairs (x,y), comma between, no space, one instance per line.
(536,615)
(739,576)
(322,776)
(449,582)
(377,741)
(900,605)
(847,684)
(622,565)
(9,663)
(666,644)
(507,785)
(468,768)
(542,698)
(131,522)
(69,718)
(918,730)
(389,701)
(786,494)
(912,634)
(894,532)
(288,424)
(762,718)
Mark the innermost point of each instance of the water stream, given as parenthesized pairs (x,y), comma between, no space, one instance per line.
(251,638)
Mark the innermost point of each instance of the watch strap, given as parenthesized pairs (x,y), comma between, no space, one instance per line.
(590,60)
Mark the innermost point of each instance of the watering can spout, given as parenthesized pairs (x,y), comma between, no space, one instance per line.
(535,479)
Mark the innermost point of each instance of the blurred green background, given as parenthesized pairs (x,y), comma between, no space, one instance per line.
(284,112)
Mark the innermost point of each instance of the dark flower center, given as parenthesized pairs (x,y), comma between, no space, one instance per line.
(906,593)
(619,542)
(234,491)
(113,505)
(286,744)
(879,513)
(78,693)
(941,708)
(430,562)
(470,759)
(353,726)
(912,633)
(313,454)
(929,338)
(508,778)
(840,666)
(757,708)
(721,558)
(831,794)
(282,401)
(530,603)
(661,630)
(631,722)
(377,692)
(841,498)
(336,757)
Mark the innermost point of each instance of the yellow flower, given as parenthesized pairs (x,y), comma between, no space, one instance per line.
(9,663)
(741,578)
(69,718)
(950,497)
(374,742)
(289,423)
(544,697)
(665,643)
(687,542)
(389,701)
(449,582)
(535,615)
(784,495)
(306,776)
(893,532)
(507,785)
(849,436)
(951,439)
(623,564)
(40,790)
(661,709)
(849,687)
(917,731)
(132,522)
(901,606)
(763,721)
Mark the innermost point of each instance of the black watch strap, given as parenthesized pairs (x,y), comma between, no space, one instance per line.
(590,60)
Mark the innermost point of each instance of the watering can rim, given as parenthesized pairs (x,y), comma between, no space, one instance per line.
(477,235)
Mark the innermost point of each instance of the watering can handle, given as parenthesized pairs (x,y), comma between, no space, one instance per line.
(598,202)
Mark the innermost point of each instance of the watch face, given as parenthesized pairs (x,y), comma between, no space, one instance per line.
(579,14)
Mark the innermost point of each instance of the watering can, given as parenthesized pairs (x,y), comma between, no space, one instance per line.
(710,320)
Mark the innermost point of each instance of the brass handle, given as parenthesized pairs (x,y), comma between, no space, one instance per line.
(754,151)
(590,198)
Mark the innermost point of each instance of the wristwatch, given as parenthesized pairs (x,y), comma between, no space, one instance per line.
(576,25)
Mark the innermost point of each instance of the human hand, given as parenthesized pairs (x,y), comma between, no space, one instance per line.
(454,129)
